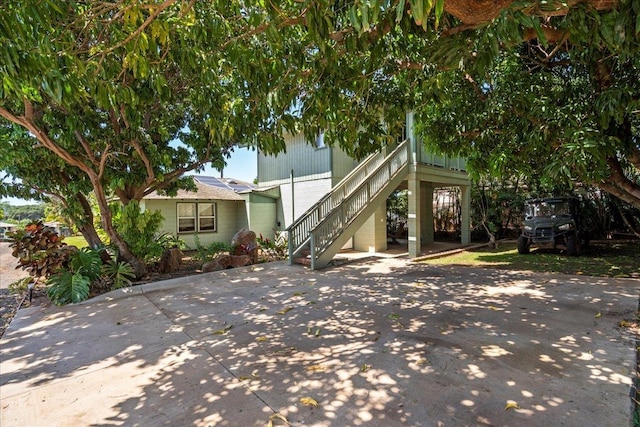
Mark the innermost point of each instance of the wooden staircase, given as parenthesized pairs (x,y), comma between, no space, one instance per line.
(318,234)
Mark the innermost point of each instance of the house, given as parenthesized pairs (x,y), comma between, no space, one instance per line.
(60,228)
(328,201)
(216,211)
(5,228)
(320,198)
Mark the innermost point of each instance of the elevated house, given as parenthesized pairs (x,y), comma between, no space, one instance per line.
(328,200)
(322,199)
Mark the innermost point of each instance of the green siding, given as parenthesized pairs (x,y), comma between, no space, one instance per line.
(231,216)
(301,157)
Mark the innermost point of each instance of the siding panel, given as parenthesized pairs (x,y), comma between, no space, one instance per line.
(302,157)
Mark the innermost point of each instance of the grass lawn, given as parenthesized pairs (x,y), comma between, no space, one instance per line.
(608,259)
(77,241)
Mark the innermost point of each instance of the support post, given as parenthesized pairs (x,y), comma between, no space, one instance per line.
(465,220)
(427,213)
(414,216)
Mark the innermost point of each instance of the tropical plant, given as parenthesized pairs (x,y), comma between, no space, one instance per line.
(73,284)
(208,252)
(68,287)
(118,274)
(277,249)
(139,229)
(39,249)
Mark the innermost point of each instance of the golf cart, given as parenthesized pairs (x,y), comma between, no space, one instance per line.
(552,223)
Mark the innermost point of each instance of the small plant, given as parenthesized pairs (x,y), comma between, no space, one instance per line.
(206,253)
(168,240)
(117,274)
(74,285)
(20,286)
(273,250)
(68,287)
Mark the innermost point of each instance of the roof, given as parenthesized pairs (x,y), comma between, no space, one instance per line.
(212,189)
(226,183)
(7,225)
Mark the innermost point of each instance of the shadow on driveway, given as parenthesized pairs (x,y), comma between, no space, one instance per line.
(376,342)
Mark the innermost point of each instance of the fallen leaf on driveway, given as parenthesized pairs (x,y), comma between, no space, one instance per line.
(598,315)
(223,330)
(285,310)
(309,401)
(261,339)
(511,405)
(277,416)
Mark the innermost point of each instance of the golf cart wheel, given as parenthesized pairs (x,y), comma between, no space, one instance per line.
(523,245)
(573,246)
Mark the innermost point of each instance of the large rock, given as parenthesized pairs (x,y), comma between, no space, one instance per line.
(222,262)
(170,260)
(244,243)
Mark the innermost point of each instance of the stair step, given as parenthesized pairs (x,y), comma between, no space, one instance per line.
(303,261)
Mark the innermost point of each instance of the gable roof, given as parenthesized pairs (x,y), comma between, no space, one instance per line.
(213,189)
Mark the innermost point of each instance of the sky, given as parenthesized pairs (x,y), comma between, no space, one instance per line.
(243,165)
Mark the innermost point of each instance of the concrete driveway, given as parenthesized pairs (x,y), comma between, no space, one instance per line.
(379,342)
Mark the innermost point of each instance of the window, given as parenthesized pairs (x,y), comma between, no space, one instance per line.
(194,217)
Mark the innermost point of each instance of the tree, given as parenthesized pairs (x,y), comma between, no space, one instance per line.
(560,111)
(129,96)
(124,98)
(544,89)
(46,177)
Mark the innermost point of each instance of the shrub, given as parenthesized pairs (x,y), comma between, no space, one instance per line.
(273,250)
(139,229)
(206,253)
(39,249)
(74,284)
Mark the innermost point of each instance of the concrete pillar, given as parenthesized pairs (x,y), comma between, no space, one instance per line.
(426,228)
(465,222)
(411,135)
(414,216)
(372,236)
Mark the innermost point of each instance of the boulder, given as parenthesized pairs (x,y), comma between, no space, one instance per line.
(222,262)
(170,260)
(210,266)
(244,243)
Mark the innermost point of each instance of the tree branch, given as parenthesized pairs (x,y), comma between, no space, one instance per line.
(87,149)
(44,139)
(151,175)
(161,7)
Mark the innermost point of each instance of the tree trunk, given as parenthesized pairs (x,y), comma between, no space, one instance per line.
(626,220)
(86,227)
(139,268)
(492,237)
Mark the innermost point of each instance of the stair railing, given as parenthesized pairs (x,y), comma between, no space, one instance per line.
(336,221)
(299,231)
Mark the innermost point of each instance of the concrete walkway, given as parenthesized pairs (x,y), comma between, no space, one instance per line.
(379,342)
